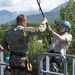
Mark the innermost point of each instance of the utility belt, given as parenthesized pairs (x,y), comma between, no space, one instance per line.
(52,51)
(18,54)
(19,68)
(27,65)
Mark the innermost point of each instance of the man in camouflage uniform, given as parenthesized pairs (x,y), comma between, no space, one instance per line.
(17,39)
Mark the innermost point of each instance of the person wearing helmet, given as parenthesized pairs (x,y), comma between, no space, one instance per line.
(59,44)
(66,23)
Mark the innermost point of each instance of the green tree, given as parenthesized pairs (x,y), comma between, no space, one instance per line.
(3,28)
(35,48)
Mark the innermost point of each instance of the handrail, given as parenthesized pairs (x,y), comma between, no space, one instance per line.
(4,64)
(40,63)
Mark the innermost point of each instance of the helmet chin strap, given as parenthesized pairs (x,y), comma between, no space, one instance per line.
(65,30)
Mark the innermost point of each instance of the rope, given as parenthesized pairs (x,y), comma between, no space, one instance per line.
(40,8)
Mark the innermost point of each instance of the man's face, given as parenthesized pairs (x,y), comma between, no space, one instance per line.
(25,22)
(62,28)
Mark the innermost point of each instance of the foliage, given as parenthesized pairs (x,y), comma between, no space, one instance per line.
(35,48)
(3,28)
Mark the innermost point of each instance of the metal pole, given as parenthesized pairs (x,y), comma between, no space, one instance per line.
(2,71)
(73,65)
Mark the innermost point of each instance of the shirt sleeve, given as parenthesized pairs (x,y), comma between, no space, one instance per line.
(68,37)
(35,30)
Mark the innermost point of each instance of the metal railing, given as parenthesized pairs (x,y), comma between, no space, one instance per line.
(2,65)
(47,71)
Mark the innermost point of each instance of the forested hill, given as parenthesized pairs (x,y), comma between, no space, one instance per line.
(51,15)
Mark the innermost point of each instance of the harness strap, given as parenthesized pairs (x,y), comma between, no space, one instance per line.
(18,54)
(52,51)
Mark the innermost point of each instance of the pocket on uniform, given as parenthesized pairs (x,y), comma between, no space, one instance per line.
(18,61)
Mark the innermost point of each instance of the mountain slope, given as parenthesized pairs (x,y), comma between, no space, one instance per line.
(9,17)
(51,16)
(6,16)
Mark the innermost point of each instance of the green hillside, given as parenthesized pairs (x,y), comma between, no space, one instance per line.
(51,15)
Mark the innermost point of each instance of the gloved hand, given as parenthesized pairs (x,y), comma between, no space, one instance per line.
(44,21)
(49,28)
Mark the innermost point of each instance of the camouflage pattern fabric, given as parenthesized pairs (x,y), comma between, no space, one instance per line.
(55,63)
(18,61)
(17,40)
(18,36)
(18,72)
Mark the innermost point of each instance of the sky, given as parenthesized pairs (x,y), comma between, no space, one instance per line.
(29,5)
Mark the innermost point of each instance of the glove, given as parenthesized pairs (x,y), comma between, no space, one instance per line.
(49,28)
(44,21)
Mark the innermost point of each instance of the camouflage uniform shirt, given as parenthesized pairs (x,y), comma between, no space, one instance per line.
(17,39)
